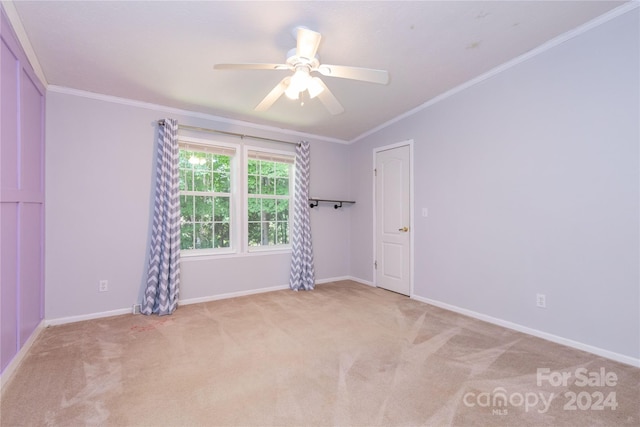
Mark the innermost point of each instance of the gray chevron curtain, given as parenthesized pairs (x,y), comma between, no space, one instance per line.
(163,276)
(302,275)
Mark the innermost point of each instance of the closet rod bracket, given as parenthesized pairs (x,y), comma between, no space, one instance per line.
(313,202)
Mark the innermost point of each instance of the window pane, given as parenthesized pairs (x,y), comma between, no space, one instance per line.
(255,234)
(186,208)
(221,209)
(282,170)
(186,236)
(184,159)
(205,219)
(268,209)
(202,179)
(203,208)
(253,167)
(221,164)
(207,180)
(221,234)
(262,233)
(186,179)
(270,228)
(267,168)
(268,185)
(197,158)
(268,216)
(282,210)
(282,186)
(190,184)
(282,233)
(222,183)
(254,209)
(204,235)
(262,230)
(253,184)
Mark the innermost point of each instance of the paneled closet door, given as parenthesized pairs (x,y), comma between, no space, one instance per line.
(21,196)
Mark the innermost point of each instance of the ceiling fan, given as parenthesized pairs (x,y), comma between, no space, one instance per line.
(303,61)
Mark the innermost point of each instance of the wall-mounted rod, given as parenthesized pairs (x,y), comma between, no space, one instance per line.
(338,203)
(240,135)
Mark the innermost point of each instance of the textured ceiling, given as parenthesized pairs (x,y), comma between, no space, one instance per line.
(163,52)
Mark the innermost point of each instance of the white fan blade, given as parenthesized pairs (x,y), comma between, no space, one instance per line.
(273,96)
(355,73)
(330,102)
(307,43)
(250,67)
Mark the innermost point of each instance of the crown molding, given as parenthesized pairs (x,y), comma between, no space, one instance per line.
(171,110)
(14,19)
(614,13)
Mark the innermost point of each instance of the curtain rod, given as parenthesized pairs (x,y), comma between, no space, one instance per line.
(240,135)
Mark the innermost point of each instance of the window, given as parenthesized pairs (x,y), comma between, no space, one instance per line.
(206,197)
(210,177)
(269,184)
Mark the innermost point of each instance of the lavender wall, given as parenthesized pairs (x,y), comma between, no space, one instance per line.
(21,196)
(531,180)
(116,188)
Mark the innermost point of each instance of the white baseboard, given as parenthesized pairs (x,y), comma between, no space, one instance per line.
(332,279)
(11,368)
(90,316)
(362,281)
(231,295)
(188,301)
(536,333)
(121,311)
(261,290)
(329,280)
(341,278)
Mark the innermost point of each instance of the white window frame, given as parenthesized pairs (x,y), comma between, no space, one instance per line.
(273,155)
(206,145)
(239,213)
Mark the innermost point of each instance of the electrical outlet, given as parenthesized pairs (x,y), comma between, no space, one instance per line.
(136,309)
(541,300)
(103,286)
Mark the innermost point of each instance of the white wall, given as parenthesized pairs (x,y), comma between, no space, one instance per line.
(531,178)
(99,192)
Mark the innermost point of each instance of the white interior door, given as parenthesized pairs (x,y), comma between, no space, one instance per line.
(393,219)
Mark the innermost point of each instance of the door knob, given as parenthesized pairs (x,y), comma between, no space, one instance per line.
(405,229)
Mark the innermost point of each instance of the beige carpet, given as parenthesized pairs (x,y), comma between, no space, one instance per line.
(344,354)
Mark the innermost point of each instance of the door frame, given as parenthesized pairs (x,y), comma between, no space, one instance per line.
(376,150)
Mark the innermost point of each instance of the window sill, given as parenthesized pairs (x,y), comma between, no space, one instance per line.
(223,255)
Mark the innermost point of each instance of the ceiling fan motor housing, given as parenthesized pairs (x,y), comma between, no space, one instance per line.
(293,60)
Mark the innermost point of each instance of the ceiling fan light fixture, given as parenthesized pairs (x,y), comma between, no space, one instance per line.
(300,79)
(299,82)
(315,87)
(292,92)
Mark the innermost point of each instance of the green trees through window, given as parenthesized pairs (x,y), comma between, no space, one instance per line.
(268,202)
(205,200)
(209,202)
